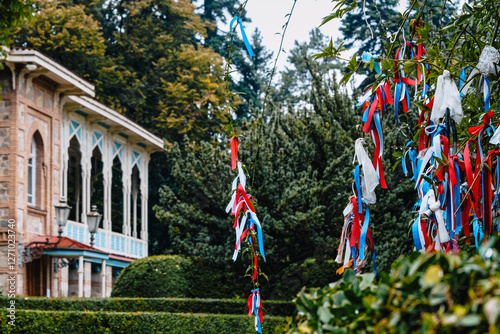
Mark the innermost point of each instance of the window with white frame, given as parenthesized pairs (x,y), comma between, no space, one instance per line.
(32,174)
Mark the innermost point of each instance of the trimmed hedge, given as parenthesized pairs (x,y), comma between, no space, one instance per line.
(173,305)
(180,277)
(155,276)
(64,322)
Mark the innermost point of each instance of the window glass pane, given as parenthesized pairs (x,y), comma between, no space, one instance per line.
(30,181)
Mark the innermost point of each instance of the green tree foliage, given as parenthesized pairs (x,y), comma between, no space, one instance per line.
(381,17)
(423,293)
(296,160)
(296,79)
(65,33)
(252,76)
(214,12)
(145,58)
(12,14)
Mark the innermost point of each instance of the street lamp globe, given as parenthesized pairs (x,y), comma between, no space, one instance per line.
(62,214)
(93,220)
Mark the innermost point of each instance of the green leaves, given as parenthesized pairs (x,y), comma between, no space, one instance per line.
(422,293)
(339,10)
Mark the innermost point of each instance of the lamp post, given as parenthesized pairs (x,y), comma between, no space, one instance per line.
(93,220)
(62,214)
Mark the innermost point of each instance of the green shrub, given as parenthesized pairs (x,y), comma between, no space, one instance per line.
(181,277)
(154,276)
(312,273)
(424,293)
(64,322)
(172,305)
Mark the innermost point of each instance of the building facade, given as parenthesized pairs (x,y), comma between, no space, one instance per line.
(57,143)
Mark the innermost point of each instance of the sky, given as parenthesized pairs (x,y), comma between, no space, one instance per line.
(269,17)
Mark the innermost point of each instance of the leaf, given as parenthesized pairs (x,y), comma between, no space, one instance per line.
(398,154)
(353,63)
(345,79)
(469,320)
(428,179)
(324,314)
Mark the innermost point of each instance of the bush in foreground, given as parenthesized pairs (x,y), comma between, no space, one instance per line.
(171,305)
(73,322)
(423,293)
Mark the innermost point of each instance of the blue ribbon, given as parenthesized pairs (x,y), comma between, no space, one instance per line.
(478,233)
(260,238)
(396,101)
(357,181)
(416,235)
(243,35)
(364,231)
(413,158)
(353,252)
(456,199)
(486,97)
(462,80)
(256,310)
(378,125)
(368,57)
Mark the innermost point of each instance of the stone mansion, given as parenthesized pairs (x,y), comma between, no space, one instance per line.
(58,144)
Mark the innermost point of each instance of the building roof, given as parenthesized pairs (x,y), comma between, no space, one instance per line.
(111,118)
(81,94)
(121,258)
(51,69)
(64,243)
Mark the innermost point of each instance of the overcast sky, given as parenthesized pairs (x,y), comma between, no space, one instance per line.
(269,17)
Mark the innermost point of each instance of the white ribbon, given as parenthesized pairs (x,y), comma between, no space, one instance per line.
(239,230)
(486,65)
(243,180)
(348,212)
(446,96)
(369,173)
(495,139)
(435,206)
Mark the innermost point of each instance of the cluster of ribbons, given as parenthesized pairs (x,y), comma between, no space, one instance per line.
(247,227)
(354,247)
(457,186)
(255,308)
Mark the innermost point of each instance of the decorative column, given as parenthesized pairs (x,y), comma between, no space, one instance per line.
(64,281)
(81,271)
(103,278)
(126,179)
(86,174)
(48,268)
(87,281)
(144,206)
(64,156)
(107,176)
(135,191)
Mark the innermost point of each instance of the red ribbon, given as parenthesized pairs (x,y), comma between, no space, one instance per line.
(245,197)
(475,130)
(475,189)
(234,152)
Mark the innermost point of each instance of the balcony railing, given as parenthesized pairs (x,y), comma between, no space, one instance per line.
(108,241)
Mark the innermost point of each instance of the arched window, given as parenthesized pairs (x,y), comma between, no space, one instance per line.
(117,196)
(32,174)
(136,200)
(36,182)
(74,190)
